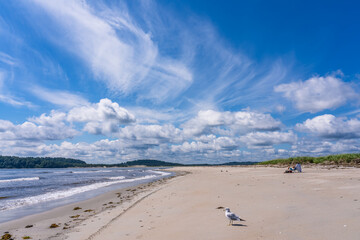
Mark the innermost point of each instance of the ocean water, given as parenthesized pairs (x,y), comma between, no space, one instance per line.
(28,191)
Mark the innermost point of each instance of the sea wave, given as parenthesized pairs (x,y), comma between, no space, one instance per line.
(19,179)
(160,172)
(16,203)
(81,172)
(103,171)
(92,171)
(116,178)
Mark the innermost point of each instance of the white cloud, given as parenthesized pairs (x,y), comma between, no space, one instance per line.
(318,93)
(105,151)
(321,148)
(5,97)
(12,101)
(118,52)
(216,144)
(104,117)
(102,111)
(55,118)
(329,126)
(149,52)
(156,116)
(58,97)
(7,59)
(54,129)
(156,133)
(5,125)
(229,123)
(280,108)
(266,139)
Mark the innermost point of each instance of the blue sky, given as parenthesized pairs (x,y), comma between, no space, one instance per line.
(182,81)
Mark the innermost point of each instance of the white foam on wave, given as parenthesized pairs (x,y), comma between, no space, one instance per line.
(103,171)
(93,171)
(116,178)
(82,172)
(160,172)
(16,203)
(20,179)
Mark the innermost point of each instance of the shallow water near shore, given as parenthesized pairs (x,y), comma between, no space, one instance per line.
(28,191)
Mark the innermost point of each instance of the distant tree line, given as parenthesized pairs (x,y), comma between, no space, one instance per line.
(58,162)
(39,162)
(48,162)
(339,159)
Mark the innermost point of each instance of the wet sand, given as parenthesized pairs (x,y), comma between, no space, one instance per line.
(82,219)
(320,203)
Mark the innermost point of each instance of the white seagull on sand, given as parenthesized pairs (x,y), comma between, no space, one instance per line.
(232,216)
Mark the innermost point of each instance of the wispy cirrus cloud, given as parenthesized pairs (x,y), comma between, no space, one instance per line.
(117,51)
(7,59)
(58,97)
(150,53)
(7,97)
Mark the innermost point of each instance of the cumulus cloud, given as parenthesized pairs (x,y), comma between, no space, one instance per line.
(212,135)
(155,116)
(162,133)
(329,126)
(326,147)
(55,118)
(36,132)
(229,123)
(104,117)
(266,139)
(106,151)
(318,93)
(215,144)
(102,111)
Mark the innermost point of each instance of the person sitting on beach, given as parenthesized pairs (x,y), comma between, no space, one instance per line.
(289,170)
(298,167)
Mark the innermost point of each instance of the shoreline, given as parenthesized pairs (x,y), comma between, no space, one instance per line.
(103,207)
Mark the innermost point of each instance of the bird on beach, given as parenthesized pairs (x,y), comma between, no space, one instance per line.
(232,216)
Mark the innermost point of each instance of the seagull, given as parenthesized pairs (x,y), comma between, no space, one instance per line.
(232,216)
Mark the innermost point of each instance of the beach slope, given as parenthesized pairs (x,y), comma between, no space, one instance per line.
(320,203)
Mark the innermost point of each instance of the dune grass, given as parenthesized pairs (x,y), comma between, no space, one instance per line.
(340,159)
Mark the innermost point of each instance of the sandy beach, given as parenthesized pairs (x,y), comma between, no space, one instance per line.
(320,203)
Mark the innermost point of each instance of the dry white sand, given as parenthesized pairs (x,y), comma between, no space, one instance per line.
(316,204)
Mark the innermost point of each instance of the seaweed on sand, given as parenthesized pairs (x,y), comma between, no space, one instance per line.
(6,236)
(54,225)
